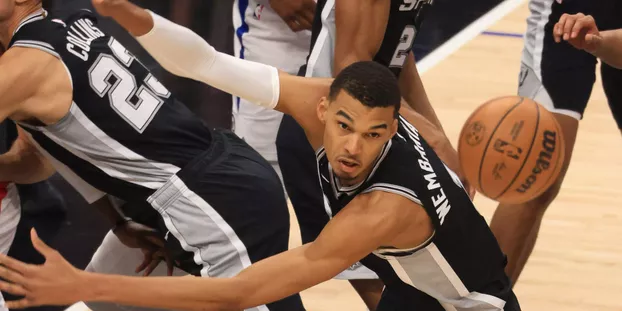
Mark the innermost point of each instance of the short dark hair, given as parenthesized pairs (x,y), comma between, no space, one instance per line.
(371,83)
(47,4)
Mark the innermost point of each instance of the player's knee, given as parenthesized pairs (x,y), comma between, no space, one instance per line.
(542,202)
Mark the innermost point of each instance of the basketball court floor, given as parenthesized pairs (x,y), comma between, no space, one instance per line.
(577,261)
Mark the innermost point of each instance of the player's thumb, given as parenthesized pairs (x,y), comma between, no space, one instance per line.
(592,42)
(39,245)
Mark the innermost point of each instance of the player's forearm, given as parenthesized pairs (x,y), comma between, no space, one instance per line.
(110,209)
(610,49)
(435,137)
(269,280)
(173,293)
(184,53)
(414,93)
(24,166)
(360,29)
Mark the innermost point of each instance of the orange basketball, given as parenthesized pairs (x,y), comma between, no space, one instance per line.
(511,149)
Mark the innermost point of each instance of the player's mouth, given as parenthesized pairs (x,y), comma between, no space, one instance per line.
(347,165)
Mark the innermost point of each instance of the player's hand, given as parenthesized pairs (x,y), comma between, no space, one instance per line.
(579,30)
(56,282)
(297,14)
(449,156)
(149,240)
(104,7)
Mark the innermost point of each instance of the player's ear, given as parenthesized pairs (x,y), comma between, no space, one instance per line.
(322,108)
(394,125)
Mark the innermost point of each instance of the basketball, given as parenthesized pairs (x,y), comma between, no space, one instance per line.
(511,149)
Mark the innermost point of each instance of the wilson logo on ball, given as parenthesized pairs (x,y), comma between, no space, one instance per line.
(544,160)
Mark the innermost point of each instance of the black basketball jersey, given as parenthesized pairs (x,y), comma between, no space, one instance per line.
(461,264)
(125,134)
(405,18)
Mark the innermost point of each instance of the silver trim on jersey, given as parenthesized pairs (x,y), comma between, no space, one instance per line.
(36,16)
(428,271)
(322,39)
(76,133)
(86,190)
(395,189)
(384,252)
(45,47)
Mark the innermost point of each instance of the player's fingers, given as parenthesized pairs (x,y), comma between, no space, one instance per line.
(568,25)
(10,275)
(40,246)
(305,24)
(581,24)
(15,265)
(308,13)
(155,240)
(20,304)
(145,263)
(12,288)
(294,25)
(560,24)
(152,265)
(557,32)
(169,265)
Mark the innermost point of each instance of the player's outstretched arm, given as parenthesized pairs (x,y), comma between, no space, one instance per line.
(23,163)
(357,230)
(582,33)
(184,53)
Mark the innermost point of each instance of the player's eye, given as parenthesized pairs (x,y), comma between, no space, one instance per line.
(343,126)
(373,135)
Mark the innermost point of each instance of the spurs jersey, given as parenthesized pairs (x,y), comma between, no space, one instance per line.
(124,134)
(405,18)
(461,264)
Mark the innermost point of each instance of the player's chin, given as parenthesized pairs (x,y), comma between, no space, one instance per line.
(345,176)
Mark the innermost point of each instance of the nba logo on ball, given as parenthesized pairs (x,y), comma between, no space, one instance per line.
(511,149)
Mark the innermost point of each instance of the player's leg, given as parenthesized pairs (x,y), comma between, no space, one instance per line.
(612,77)
(225,211)
(560,78)
(10,215)
(262,36)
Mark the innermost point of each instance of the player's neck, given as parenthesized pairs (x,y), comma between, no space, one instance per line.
(8,27)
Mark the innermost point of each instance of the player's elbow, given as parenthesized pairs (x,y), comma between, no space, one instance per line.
(349,58)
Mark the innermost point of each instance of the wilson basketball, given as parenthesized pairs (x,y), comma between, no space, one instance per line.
(511,149)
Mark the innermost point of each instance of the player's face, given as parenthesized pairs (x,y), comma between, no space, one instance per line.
(354,135)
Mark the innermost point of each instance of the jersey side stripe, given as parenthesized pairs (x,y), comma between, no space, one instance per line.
(35,45)
(88,192)
(111,157)
(323,38)
(395,189)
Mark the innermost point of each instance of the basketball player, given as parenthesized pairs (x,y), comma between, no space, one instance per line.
(560,78)
(395,202)
(581,32)
(109,127)
(344,32)
(272,33)
(10,207)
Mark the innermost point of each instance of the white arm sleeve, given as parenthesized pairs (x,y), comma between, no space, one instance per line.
(184,53)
